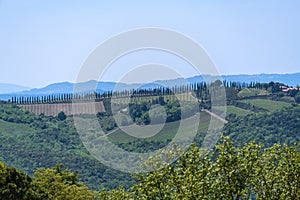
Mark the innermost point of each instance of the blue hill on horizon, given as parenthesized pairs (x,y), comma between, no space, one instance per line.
(7,91)
(11,88)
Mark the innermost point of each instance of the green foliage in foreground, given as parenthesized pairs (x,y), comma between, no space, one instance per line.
(46,184)
(250,172)
(14,184)
(59,184)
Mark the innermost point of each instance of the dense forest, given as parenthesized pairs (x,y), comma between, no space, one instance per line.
(282,126)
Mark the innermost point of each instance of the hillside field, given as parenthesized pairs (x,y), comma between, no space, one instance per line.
(167,132)
(267,104)
(234,110)
(249,92)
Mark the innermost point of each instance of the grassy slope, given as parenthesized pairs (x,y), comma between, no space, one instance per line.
(267,104)
(12,129)
(167,132)
(248,92)
(234,110)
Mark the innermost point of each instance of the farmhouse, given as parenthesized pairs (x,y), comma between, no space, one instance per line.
(287,89)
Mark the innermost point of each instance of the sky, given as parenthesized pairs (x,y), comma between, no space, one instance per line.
(43,42)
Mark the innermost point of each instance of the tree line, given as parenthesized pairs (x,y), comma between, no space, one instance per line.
(200,89)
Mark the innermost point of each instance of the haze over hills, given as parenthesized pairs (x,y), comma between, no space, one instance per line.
(8,90)
(11,88)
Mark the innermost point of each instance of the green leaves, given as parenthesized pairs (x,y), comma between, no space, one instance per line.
(47,184)
(250,172)
(279,168)
(61,184)
(15,184)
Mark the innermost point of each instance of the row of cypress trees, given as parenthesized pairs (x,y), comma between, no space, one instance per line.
(200,90)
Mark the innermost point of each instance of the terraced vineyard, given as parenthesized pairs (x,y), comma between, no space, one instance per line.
(68,108)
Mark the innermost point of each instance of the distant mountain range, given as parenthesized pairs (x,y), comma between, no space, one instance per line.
(11,88)
(8,90)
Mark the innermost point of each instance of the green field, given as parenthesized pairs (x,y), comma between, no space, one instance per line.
(13,129)
(234,110)
(267,104)
(249,92)
(287,99)
(167,132)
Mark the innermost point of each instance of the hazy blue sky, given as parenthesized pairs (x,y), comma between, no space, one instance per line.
(42,42)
